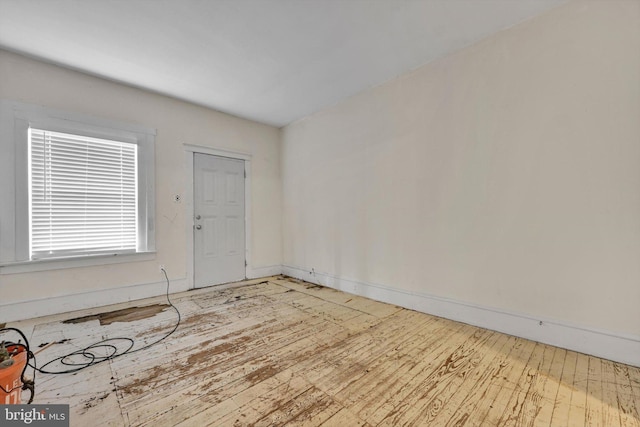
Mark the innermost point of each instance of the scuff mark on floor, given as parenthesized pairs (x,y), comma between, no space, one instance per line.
(93,401)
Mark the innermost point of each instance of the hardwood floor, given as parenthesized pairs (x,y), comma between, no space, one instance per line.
(285,352)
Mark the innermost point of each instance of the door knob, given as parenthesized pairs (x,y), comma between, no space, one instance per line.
(198,227)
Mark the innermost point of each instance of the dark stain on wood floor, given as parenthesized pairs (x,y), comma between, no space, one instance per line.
(124,315)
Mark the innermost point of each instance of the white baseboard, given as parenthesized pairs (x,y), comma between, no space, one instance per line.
(258,272)
(79,301)
(608,345)
(612,346)
(61,304)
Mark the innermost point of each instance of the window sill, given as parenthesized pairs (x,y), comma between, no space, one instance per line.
(73,262)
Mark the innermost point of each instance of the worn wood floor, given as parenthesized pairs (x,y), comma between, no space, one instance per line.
(285,352)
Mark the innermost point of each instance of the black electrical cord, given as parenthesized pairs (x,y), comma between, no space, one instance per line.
(91,358)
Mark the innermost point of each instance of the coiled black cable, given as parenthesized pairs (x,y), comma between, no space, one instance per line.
(89,353)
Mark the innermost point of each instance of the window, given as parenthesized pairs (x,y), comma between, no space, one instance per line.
(77,187)
(82,194)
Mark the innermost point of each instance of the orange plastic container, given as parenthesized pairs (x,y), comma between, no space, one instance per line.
(11,377)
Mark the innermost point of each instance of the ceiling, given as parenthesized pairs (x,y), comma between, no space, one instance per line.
(272,61)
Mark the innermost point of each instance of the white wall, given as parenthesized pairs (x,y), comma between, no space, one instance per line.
(504,177)
(177,123)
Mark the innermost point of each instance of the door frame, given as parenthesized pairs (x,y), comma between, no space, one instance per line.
(189,154)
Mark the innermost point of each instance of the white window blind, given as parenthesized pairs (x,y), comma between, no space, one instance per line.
(82,195)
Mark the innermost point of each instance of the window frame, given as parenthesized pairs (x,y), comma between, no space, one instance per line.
(15,120)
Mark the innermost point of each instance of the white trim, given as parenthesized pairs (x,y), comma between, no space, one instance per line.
(247,218)
(187,199)
(47,264)
(15,119)
(613,346)
(61,304)
(220,152)
(267,271)
(103,127)
(190,151)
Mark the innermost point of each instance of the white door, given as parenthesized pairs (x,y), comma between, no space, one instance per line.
(219,245)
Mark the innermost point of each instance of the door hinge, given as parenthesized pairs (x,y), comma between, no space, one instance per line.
(245,263)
